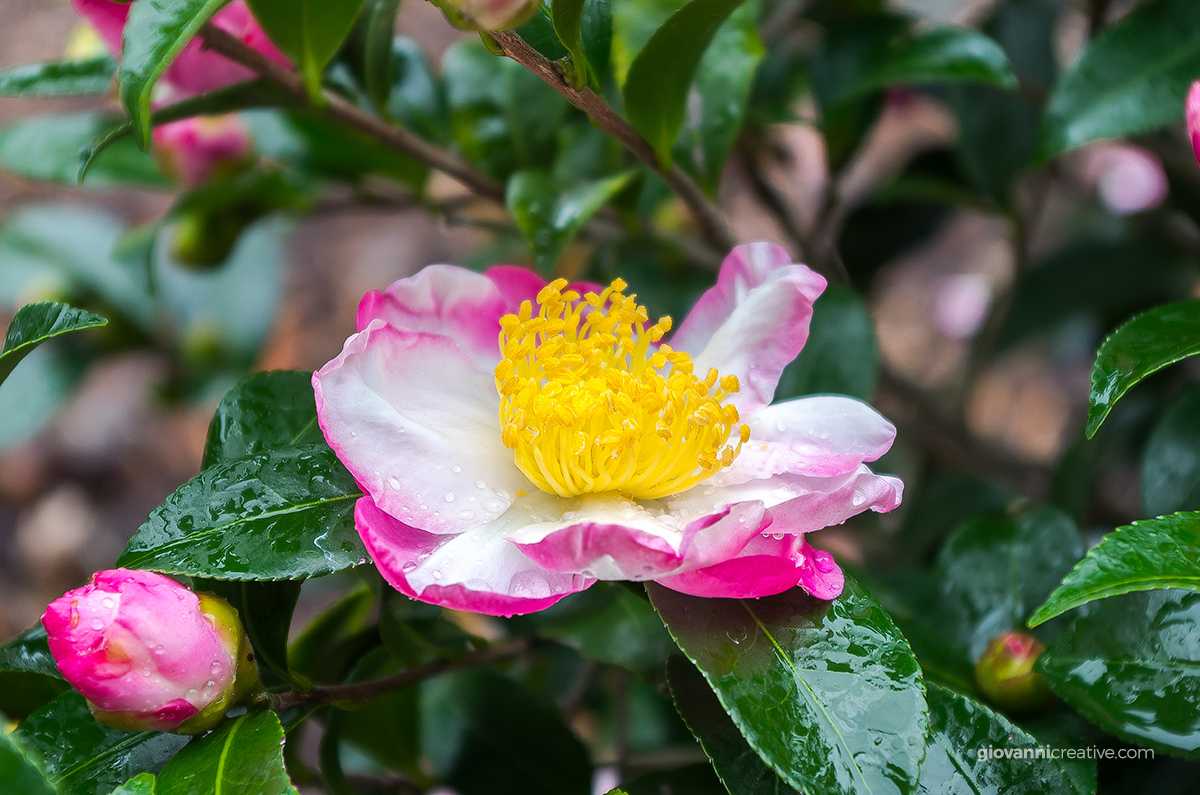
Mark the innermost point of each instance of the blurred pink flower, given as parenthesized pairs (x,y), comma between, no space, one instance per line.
(500,478)
(960,304)
(196,69)
(489,14)
(147,653)
(1192,114)
(194,150)
(1129,179)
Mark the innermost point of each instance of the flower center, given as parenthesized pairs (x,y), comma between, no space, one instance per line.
(588,406)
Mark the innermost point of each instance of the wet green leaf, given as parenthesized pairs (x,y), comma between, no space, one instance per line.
(961,729)
(741,769)
(265,411)
(34,324)
(1132,667)
(656,88)
(280,515)
(842,354)
(309,32)
(828,693)
(58,78)
(155,33)
(242,757)
(1141,347)
(20,775)
(29,678)
(81,757)
(549,218)
(993,572)
(1130,79)
(941,55)
(1147,555)
(145,784)
(1171,460)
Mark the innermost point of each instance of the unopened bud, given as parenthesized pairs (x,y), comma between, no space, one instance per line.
(203,238)
(1006,677)
(196,150)
(489,14)
(149,654)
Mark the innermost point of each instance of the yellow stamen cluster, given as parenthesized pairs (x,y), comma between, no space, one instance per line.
(589,406)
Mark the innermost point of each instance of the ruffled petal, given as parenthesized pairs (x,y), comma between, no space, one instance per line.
(822,436)
(614,539)
(415,421)
(479,571)
(768,565)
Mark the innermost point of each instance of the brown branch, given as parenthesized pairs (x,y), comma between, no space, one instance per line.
(338,108)
(365,691)
(712,223)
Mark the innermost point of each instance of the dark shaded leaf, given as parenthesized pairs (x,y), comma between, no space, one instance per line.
(1171,461)
(690,780)
(309,32)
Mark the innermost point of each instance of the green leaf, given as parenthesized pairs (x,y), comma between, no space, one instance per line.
(29,678)
(374,50)
(960,729)
(58,78)
(487,735)
(1132,667)
(1147,555)
(596,31)
(941,55)
(741,769)
(827,693)
(34,324)
(154,35)
(690,780)
(608,623)
(841,355)
(1171,460)
(310,32)
(264,412)
(327,648)
(243,757)
(567,16)
(29,653)
(47,148)
(81,757)
(993,572)
(417,98)
(549,218)
(656,88)
(386,728)
(280,515)
(20,775)
(145,784)
(1141,347)
(1130,79)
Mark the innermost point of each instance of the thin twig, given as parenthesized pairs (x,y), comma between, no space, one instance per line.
(338,108)
(712,223)
(366,691)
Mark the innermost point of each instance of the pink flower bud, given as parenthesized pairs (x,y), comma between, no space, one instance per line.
(489,14)
(147,653)
(193,151)
(1006,677)
(1192,114)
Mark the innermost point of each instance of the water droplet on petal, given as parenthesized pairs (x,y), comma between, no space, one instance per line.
(437,575)
(97,624)
(210,683)
(424,507)
(456,469)
(781,426)
(449,496)
(466,515)
(479,484)
(394,482)
(407,567)
(107,602)
(215,667)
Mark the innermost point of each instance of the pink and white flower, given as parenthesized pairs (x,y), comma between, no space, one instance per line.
(147,653)
(499,478)
(1191,112)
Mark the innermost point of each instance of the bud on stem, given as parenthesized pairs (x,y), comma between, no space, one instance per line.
(1006,677)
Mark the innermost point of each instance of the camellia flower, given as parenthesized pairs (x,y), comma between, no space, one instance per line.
(1192,115)
(193,151)
(518,441)
(147,653)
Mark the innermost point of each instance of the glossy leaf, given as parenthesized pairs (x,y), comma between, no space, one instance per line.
(960,729)
(375,51)
(596,31)
(840,670)
(29,653)
(690,780)
(941,55)
(1171,460)
(1147,555)
(993,572)
(1141,347)
(842,353)
(29,678)
(242,757)
(656,88)
(309,32)
(155,32)
(20,775)
(280,515)
(567,16)
(741,769)
(549,218)
(1130,79)
(265,411)
(81,757)
(608,623)
(145,784)
(58,78)
(34,324)
(47,148)
(1132,667)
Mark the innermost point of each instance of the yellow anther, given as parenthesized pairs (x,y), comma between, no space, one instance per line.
(586,379)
